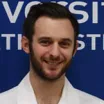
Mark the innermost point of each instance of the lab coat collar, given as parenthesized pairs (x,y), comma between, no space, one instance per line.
(26,94)
(69,95)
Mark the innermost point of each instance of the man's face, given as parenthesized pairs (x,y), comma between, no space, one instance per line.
(52,47)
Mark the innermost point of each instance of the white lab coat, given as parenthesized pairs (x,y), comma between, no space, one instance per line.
(23,94)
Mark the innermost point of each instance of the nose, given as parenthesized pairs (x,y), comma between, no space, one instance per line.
(55,50)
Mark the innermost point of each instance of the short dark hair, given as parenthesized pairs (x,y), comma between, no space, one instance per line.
(49,9)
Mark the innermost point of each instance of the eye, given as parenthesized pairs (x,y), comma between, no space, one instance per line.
(64,44)
(45,42)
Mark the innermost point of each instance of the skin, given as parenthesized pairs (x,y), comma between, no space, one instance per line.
(51,52)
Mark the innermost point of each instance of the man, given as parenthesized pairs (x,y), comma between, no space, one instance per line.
(50,33)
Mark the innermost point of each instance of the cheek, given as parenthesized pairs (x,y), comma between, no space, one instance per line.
(67,54)
(40,51)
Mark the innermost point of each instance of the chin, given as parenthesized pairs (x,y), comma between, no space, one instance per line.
(53,75)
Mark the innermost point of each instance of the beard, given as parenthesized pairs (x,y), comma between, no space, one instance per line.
(38,69)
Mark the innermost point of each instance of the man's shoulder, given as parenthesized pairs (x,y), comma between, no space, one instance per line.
(86,98)
(9,97)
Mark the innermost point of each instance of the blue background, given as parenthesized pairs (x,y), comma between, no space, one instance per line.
(86,72)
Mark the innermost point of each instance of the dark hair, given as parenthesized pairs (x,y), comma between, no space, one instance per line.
(52,10)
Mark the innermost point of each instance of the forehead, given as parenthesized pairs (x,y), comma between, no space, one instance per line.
(53,28)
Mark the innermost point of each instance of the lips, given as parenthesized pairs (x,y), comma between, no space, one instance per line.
(53,63)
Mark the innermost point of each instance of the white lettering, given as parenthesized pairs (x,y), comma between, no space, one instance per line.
(83,13)
(93,40)
(12,17)
(102,3)
(95,12)
(82,44)
(63,3)
(8,40)
(19,41)
(29,5)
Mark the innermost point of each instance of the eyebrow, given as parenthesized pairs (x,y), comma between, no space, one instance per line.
(67,40)
(63,39)
(44,38)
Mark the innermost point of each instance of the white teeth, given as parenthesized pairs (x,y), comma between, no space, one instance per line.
(53,63)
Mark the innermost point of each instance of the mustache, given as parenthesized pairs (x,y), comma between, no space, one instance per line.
(52,59)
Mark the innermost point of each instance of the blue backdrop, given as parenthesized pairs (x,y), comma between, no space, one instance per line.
(86,72)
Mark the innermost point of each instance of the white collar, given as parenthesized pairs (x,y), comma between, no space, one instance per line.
(69,95)
(26,95)
(25,92)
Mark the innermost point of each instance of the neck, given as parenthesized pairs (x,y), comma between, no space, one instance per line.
(47,90)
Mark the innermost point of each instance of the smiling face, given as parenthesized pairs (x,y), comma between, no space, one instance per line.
(52,47)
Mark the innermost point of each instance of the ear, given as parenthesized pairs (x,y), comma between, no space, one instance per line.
(75,50)
(25,44)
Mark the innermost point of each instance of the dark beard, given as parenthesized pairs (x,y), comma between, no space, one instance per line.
(40,72)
